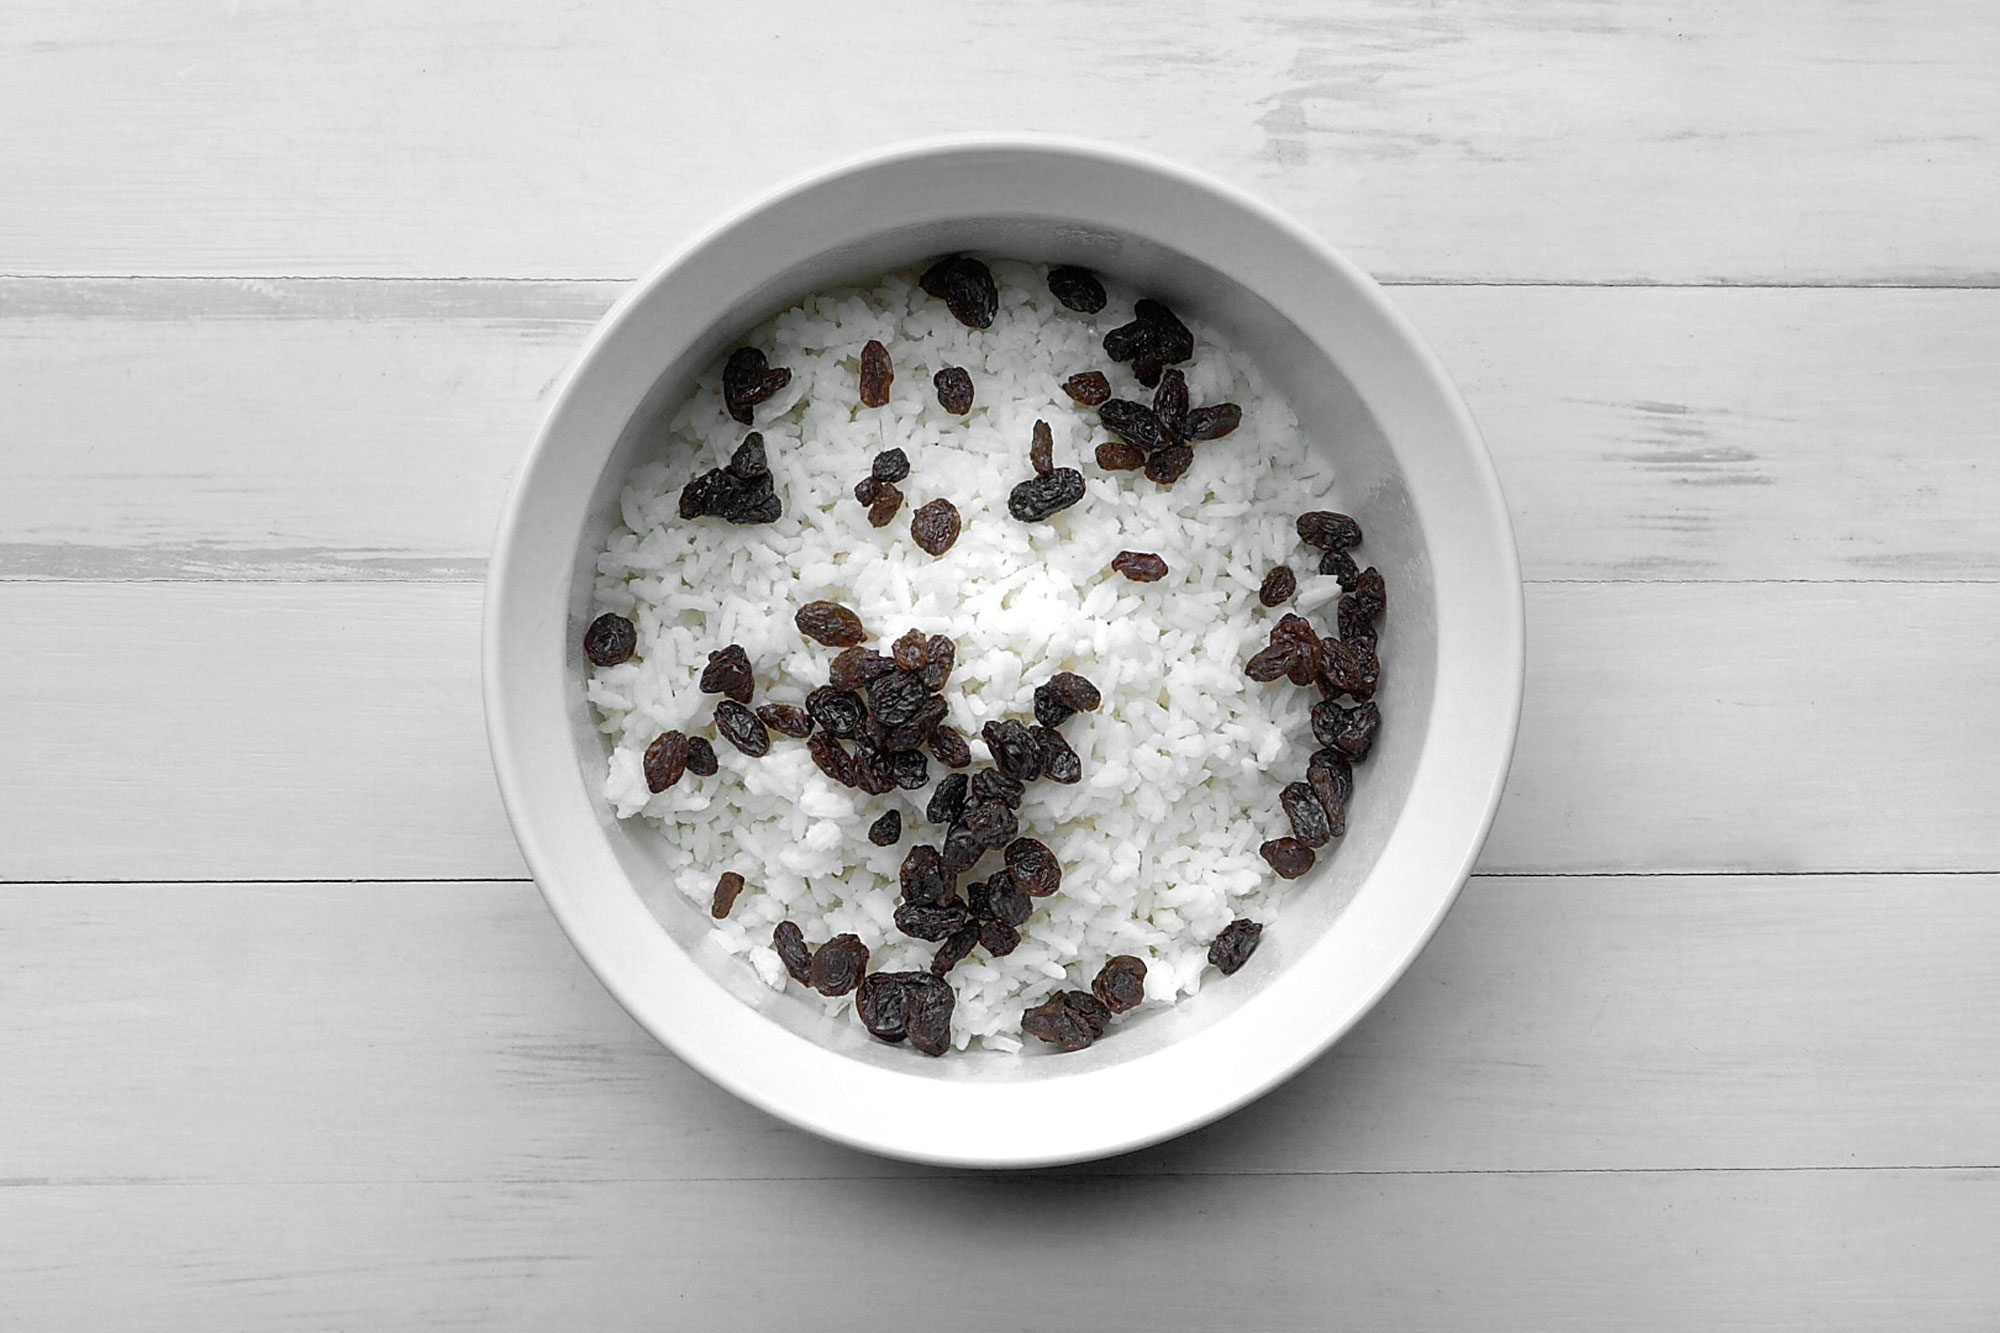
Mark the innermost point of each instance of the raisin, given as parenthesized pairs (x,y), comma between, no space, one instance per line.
(890,465)
(948,747)
(726,890)
(1297,631)
(1049,710)
(1367,669)
(1088,387)
(1014,750)
(1121,983)
(1167,466)
(1059,761)
(922,877)
(935,526)
(1133,423)
(1349,732)
(1170,405)
(1339,670)
(1332,781)
(1309,822)
(876,374)
(962,850)
(1176,342)
(888,501)
(867,489)
(1233,947)
(1370,593)
(1042,449)
(888,830)
(1271,662)
(1004,901)
(1341,565)
(666,759)
(748,463)
(966,287)
(1288,856)
(947,801)
(954,950)
(741,492)
(1069,1020)
(1077,288)
(1278,586)
(997,937)
(909,651)
(1329,531)
(728,672)
(1356,625)
(838,965)
(1043,497)
(894,697)
(873,772)
(855,667)
(954,390)
(910,768)
(1140,566)
(829,623)
(832,758)
(1034,868)
(748,379)
(879,1002)
(838,713)
(932,921)
(786,719)
(990,784)
(790,943)
(927,1006)
(991,822)
(1118,456)
(1212,423)
(1152,341)
(701,759)
(1075,691)
(611,639)
(940,656)
(740,727)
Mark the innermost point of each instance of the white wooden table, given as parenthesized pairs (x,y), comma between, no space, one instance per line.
(287,1039)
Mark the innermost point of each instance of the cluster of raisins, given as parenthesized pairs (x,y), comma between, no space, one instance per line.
(740,491)
(748,378)
(878,489)
(1154,340)
(1052,489)
(1161,438)
(1342,665)
(877,713)
(1071,1020)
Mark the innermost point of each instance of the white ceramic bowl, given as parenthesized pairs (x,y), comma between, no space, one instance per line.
(1413,471)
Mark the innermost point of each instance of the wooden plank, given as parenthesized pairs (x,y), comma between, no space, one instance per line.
(1814,1251)
(334,731)
(360,430)
(1647,141)
(348,1033)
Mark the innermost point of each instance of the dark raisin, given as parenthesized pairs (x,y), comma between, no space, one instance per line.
(830,623)
(1356,625)
(927,1006)
(1150,342)
(1340,670)
(1069,1020)
(1329,531)
(855,667)
(948,747)
(922,877)
(748,463)
(701,759)
(990,784)
(1076,691)
(935,526)
(1005,901)
(838,965)
(1278,587)
(894,697)
(1043,497)
(1059,761)
(997,937)
(910,651)
(1297,631)
(1271,662)
(666,759)
(1042,450)
(962,850)
(832,758)
(867,489)
(1332,781)
(838,712)
(1140,566)
(1049,710)
(877,374)
(1118,456)
(1176,342)
(786,719)
(728,672)
(954,390)
(611,639)
(879,1002)
(1167,466)
(947,801)
(1309,822)
(1288,856)
(1212,423)
(1120,985)
(1147,367)
(1034,868)
(931,921)
(992,822)
(748,379)
(726,890)
(1014,750)
(874,771)
(1367,669)
(740,727)
(1370,593)
(1170,405)
(1233,947)
(910,768)
(888,830)
(741,492)
(1349,732)
(888,502)
(1077,288)
(1341,565)
(890,465)
(1089,388)
(954,950)
(790,942)
(940,656)
(699,494)
(966,287)
(1132,422)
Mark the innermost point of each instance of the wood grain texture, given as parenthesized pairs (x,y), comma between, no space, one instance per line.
(446,1033)
(271,731)
(1556,140)
(359,430)
(1838,1250)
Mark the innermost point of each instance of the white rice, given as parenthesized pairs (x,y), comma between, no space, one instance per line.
(1182,764)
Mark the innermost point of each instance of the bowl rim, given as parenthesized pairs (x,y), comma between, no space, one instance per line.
(1506,669)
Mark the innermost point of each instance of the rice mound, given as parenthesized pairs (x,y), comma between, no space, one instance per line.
(1182,763)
